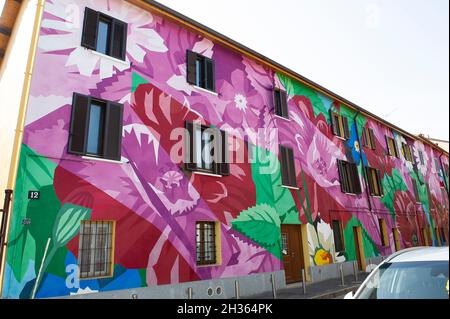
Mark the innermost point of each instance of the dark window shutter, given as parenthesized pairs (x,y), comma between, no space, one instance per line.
(346,127)
(119,39)
(380,183)
(191,67)
(79,124)
(364,137)
(372,139)
(89,38)
(190,164)
(292,173)
(370,180)
(113,131)
(277,102)
(356,181)
(342,176)
(388,145)
(284,166)
(224,166)
(210,75)
(334,124)
(284,106)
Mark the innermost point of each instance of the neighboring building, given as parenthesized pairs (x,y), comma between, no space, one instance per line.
(113,195)
(441,143)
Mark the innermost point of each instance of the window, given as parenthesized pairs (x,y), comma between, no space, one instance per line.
(95,255)
(416,190)
(443,240)
(421,158)
(281,108)
(444,197)
(348,174)
(207,149)
(338,236)
(206,243)
(368,138)
(383,232)
(396,239)
(392,147)
(288,174)
(104,34)
(425,237)
(406,150)
(340,125)
(201,71)
(374,179)
(95,128)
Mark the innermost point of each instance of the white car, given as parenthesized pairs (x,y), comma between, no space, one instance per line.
(415,273)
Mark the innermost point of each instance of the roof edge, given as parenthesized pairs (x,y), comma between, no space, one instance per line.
(208,32)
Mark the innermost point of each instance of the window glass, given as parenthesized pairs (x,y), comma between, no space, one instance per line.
(103,36)
(408,280)
(95,136)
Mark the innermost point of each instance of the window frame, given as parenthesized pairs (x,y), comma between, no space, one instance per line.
(383,232)
(373,173)
(340,125)
(349,178)
(368,138)
(201,255)
(203,73)
(340,233)
(109,250)
(288,170)
(113,23)
(281,107)
(107,139)
(392,152)
(221,167)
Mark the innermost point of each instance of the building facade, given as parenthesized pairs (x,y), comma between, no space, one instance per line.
(155,155)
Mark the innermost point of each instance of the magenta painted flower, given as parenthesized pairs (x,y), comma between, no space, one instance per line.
(243,102)
(322,156)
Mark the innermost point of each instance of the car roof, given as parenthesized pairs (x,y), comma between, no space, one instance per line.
(421,254)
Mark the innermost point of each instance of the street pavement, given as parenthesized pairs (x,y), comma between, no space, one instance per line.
(329,289)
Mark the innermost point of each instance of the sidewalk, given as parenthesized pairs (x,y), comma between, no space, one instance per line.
(329,289)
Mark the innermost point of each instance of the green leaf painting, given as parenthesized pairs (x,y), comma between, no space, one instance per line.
(262,225)
(67,223)
(370,249)
(35,173)
(317,99)
(266,174)
(391,184)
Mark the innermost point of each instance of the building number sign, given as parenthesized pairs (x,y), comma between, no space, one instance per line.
(33,195)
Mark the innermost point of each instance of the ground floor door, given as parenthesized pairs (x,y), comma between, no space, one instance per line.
(291,239)
(357,234)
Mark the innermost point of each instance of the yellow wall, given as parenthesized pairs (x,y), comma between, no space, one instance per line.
(11,84)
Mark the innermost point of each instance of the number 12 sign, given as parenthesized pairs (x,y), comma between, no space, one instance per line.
(34,195)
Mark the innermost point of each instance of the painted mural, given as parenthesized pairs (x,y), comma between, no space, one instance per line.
(155,202)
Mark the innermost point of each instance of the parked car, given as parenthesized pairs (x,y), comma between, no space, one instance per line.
(415,273)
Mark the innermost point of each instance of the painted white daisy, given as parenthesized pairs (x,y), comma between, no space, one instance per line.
(421,157)
(64,27)
(321,245)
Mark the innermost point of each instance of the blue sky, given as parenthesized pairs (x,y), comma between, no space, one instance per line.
(389,56)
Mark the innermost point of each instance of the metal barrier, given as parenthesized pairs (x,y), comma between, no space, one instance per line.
(190,293)
(274,286)
(341,270)
(355,270)
(304,281)
(236,289)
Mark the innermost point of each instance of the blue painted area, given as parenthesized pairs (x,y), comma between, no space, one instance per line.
(129,278)
(12,289)
(356,149)
(327,102)
(52,286)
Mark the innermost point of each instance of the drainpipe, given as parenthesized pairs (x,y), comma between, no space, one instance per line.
(361,160)
(3,222)
(18,138)
(443,172)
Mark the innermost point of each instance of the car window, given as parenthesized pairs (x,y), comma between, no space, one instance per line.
(408,280)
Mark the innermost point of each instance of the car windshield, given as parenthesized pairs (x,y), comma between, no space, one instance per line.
(408,280)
